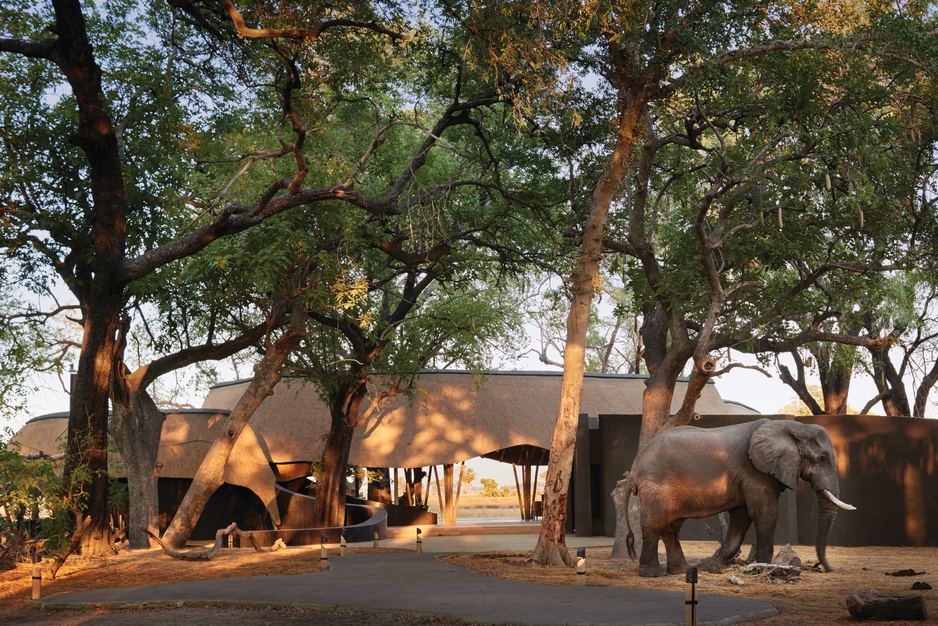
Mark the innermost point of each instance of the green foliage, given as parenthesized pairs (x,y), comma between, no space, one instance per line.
(490,489)
(34,510)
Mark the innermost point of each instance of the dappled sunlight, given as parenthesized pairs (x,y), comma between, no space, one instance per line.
(914,505)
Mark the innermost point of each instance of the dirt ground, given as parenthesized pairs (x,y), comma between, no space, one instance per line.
(815,598)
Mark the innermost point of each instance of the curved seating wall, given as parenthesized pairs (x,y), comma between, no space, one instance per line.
(362,521)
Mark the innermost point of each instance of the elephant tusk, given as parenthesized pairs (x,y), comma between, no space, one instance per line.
(840,503)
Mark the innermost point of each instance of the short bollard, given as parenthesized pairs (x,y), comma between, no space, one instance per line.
(419,541)
(342,545)
(37,583)
(323,553)
(581,566)
(376,538)
(690,602)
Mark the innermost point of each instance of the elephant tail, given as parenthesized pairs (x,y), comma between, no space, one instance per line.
(630,537)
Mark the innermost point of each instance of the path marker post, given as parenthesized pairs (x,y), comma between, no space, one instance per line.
(690,601)
(581,566)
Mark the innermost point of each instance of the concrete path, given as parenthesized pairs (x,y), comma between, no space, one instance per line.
(422,584)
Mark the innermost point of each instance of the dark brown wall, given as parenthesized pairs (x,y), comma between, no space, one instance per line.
(888,470)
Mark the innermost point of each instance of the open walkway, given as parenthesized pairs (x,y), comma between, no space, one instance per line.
(422,584)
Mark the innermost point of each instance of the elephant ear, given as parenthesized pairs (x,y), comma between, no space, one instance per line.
(773,449)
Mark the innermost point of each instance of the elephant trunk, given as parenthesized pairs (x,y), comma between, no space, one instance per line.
(826,516)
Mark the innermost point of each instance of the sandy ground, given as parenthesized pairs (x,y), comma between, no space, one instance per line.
(815,598)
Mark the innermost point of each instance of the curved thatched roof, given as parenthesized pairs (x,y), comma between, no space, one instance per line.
(184,441)
(45,434)
(453,417)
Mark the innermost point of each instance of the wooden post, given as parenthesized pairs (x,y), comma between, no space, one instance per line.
(514,469)
(323,553)
(581,567)
(690,601)
(887,607)
(526,487)
(439,492)
(448,491)
(343,547)
(462,467)
(37,582)
(419,541)
(376,538)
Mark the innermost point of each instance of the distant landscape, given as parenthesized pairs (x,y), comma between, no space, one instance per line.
(477,507)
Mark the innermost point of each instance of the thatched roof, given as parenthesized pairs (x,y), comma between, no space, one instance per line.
(454,416)
(187,435)
(45,434)
(184,441)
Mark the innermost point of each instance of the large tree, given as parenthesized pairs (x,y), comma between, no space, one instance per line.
(74,199)
(710,106)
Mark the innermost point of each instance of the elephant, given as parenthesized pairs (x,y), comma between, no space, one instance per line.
(690,472)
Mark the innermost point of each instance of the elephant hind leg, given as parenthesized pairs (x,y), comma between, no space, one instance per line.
(648,564)
(677,564)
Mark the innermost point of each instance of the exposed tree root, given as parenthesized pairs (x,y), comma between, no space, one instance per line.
(205,555)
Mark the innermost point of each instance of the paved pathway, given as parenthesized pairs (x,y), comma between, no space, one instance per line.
(422,584)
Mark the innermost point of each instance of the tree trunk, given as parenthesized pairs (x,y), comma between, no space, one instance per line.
(98,286)
(329,509)
(835,367)
(209,476)
(656,407)
(136,427)
(551,546)
(886,378)
(86,458)
(924,389)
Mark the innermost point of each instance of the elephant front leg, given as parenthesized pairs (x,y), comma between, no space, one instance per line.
(735,532)
(765,533)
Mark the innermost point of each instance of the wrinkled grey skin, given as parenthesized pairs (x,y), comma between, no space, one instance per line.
(690,472)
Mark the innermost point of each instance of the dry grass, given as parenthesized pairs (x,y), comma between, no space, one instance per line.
(816,599)
(135,568)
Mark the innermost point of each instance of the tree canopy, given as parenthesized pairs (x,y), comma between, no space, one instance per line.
(760,176)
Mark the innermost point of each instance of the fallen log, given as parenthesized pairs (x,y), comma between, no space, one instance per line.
(205,555)
(886,607)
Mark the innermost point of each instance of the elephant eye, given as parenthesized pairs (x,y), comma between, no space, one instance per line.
(822,458)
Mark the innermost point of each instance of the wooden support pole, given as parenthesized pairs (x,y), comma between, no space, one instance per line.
(528,492)
(448,491)
(514,468)
(462,467)
(439,492)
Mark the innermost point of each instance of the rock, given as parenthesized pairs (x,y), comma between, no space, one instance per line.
(787,556)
